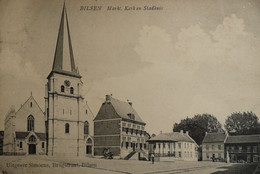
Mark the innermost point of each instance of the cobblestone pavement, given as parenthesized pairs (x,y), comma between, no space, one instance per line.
(44,164)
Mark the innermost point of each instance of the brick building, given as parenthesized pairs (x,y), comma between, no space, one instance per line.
(119,127)
(177,145)
(213,146)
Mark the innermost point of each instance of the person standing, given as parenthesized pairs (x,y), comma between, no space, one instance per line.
(152,156)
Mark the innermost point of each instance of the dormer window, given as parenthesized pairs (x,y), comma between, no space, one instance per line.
(131,116)
(62,88)
(71,90)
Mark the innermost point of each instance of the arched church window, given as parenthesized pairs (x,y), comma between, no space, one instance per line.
(32,139)
(62,88)
(89,141)
(31,104)
(67,128)
(86,127)
(71,90)
(30,123)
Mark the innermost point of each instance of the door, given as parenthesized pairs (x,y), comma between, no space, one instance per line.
(32,149)
(88,149)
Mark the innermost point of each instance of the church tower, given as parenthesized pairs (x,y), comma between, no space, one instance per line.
(63,99)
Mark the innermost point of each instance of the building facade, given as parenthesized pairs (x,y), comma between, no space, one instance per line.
(177,145)
(213,146)
(68,122)
(118,127)
(66,126)
(243,148)
(24,132)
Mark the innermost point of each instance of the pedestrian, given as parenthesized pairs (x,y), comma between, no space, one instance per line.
(152,158)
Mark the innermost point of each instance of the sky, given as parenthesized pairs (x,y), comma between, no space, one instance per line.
(191,57)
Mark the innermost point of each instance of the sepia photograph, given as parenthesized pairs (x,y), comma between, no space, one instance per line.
(130,86)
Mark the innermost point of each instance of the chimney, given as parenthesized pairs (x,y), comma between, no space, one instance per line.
(130,103)
(181,131)
(187,132)
(108,98)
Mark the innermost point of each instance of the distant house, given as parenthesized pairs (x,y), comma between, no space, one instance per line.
(213,146)
(243,148)
(118,127)
(177,145)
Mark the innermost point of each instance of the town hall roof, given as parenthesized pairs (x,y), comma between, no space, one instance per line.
(114,108)
(172,137)
(124,108)
(214,137)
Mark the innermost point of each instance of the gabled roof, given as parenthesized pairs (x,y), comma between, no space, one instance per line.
(172,137)
(243,139)
(123,109)
(214,138)
(64,49)
(23,135)
(31,97)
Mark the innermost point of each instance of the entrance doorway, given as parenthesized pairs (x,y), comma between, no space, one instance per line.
(32,149)
(88,149)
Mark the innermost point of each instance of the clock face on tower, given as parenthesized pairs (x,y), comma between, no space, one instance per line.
(67,82)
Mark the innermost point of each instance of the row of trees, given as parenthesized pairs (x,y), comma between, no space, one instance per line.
(236,124)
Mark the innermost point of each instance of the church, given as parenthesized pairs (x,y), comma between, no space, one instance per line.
(65,127)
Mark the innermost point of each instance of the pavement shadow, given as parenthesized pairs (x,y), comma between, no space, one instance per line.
(237,169)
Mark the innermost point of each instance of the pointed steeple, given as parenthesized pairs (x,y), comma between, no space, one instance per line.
(63,59)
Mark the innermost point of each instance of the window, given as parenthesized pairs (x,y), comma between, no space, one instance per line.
(89,141)
(179,145)
(31,104)
(67,128)
(255,149)
(21,145)
(219,155)
(62,88)
(86,111)
(159,145)
(255,158)
(169,145)
(154,146)
(86,127)
(180,154)
(32,139)
(207,147)
(71,90)
(207,155)
(213,147)
(30,123)
(190,154)
(219,147)
(43,145)
(248,148)
(248,159)
(240,149)
(184,145)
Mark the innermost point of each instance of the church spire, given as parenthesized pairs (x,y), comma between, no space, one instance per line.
(63,59)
